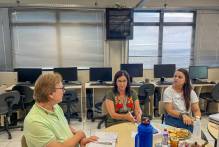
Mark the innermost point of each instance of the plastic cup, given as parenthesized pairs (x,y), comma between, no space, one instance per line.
(174,141)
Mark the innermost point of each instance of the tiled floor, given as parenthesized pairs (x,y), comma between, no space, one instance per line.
(88,126)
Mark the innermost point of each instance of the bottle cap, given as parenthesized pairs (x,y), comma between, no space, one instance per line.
(145,120)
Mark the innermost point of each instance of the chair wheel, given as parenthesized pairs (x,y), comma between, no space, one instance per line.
(93,120)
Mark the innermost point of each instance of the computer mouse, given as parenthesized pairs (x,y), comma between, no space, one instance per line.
(213,82)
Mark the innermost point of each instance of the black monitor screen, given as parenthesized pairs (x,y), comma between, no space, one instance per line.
(198,72)
(101,74)
(164,70)
(68,73)
(134,70)
(28,74)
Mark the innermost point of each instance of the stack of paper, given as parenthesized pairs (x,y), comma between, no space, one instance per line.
(214,118)
(106,139)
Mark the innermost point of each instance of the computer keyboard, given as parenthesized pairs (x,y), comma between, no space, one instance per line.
(72,83)
(200,82)
(136,84)
(25,83)
(100,84)
(164,83)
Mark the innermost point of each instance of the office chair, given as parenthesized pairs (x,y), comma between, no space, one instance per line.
(26,98)
(23,141)
(101,107)
(70,101)
(144,93)
(162,111)
(212,96)
(7,101)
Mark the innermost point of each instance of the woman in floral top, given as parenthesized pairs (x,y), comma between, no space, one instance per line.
(122,101)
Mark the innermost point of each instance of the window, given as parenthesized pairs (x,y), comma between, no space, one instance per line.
(52,38)
(162,38)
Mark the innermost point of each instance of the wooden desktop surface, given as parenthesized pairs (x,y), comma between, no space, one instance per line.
(125,132)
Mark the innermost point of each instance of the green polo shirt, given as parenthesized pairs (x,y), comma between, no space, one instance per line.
(42,126)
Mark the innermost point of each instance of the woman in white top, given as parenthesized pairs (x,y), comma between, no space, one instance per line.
(181,102)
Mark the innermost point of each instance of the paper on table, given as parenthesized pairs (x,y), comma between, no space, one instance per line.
(96,144)
(106,139)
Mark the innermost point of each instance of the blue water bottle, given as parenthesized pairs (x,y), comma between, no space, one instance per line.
(144,137)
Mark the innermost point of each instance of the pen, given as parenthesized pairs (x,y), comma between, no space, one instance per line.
(105,143)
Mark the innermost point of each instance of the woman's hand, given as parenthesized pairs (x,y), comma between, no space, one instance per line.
(187,120)
(73,130)
(87,140)
(80,133)
(138,118)
(129,117)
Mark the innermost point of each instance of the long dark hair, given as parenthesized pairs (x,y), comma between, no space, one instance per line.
(116,76)
(186,87)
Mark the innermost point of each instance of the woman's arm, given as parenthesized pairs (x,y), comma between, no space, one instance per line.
(170,110)
(78,138)
(196,110)
(111,110)
(71,142)
(138,111)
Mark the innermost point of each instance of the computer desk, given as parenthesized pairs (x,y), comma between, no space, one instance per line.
(197,87)
(68,86)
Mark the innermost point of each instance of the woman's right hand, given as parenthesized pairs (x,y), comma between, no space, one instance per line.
(80,133)
(187,120)
(129,117)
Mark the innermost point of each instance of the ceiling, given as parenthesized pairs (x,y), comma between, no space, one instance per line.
(150,4)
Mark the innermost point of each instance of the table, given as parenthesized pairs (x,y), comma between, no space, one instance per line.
(213,130)
(125,130)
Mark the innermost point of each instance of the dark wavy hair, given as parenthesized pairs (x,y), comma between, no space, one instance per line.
(186,87)
(116,76)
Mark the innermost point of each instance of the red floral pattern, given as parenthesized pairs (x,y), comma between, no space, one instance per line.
(119,104)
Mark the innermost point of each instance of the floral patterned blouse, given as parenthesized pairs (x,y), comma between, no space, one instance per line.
(120,107)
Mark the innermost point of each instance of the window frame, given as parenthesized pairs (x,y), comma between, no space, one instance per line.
(161,24)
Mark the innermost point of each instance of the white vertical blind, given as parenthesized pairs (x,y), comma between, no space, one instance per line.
(35,46)
(82,43)
(207,45)
(58,38)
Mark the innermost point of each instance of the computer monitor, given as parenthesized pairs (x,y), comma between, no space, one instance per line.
(100,74)
(68,73)
(28,75)
(134,70)
(198,72)
(164,71)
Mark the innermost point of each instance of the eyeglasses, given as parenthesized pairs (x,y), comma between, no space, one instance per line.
(63,88)
(121,81)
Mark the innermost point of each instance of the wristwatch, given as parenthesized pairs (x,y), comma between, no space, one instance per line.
(197,117)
